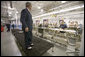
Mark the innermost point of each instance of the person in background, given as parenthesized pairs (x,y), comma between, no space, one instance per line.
(63,25)
(13,26)
(2,28)
(80,28)
(27,22)
(8,27)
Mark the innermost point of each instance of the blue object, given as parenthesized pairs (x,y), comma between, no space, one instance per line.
(63,26)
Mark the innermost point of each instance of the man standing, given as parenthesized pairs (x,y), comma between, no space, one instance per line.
(13,26)
(8,27)
(26,20)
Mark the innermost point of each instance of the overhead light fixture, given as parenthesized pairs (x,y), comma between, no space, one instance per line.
(63,1)
(41,10)
(39,7)
(9,15)
(10,12)
(12,8)
(60,11)
(16,11)
(9,7)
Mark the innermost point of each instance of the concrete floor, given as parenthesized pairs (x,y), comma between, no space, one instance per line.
(57,51)
(10,48)
(8,45)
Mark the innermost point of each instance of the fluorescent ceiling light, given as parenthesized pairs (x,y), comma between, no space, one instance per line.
(1,20)
(64,10)
(9,15)
(63,1)
(63,5)
(10,12)
(41,10)
(16,11)
(39,7)
(9,7)
(12,8)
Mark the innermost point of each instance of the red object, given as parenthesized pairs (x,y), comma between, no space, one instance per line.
(2,28)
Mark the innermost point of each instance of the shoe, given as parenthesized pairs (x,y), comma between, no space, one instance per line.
(32,44)
(29,48)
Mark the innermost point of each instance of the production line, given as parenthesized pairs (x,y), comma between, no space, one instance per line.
(57,28)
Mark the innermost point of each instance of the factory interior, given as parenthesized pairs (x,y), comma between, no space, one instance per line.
(49,37)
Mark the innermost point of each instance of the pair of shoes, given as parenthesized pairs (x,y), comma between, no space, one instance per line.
(29,48)
(32,44)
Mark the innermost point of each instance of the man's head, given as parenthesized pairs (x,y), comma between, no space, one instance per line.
(28,5)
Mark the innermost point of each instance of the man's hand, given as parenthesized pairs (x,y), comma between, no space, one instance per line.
(26,29)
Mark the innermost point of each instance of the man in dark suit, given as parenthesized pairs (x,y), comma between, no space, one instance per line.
(8,27)
(26,20)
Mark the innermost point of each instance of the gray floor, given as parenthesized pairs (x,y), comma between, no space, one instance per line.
(8,45)
(57,51)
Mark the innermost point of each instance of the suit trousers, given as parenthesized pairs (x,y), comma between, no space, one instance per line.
(28,38)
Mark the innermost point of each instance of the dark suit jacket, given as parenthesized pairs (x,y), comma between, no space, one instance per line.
(26,19)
